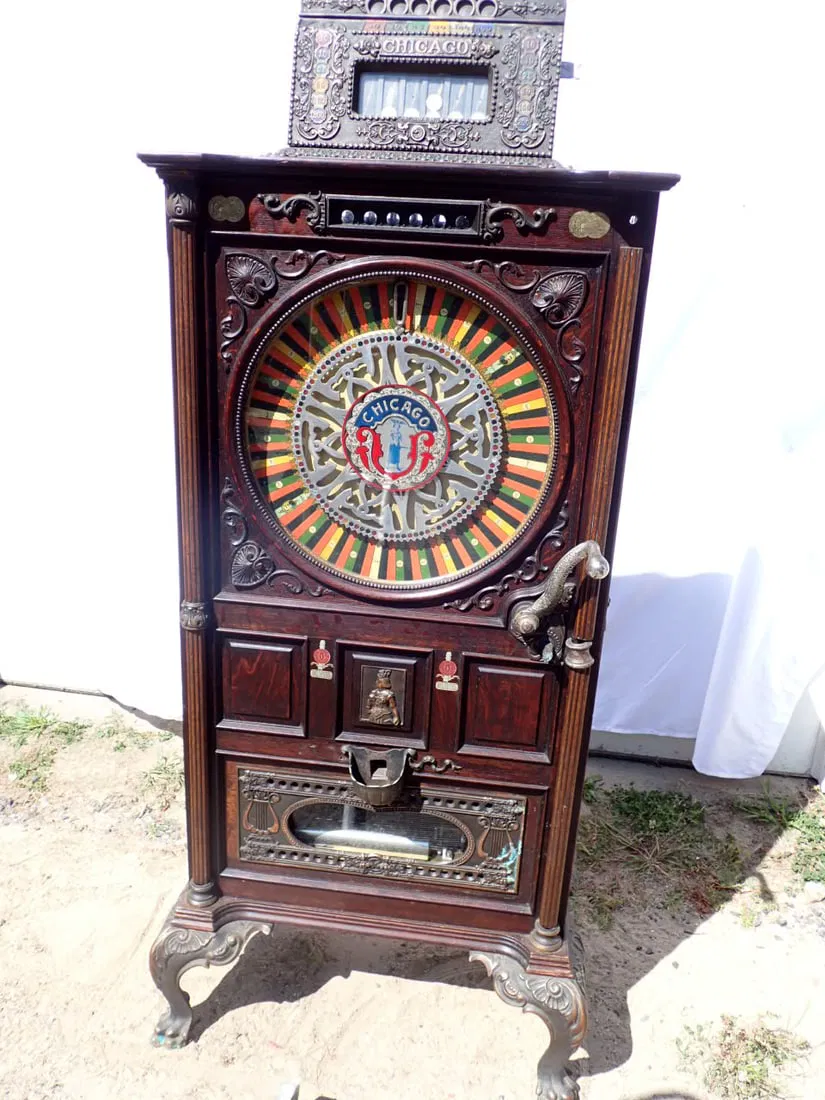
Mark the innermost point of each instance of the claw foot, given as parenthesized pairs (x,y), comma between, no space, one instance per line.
(177,950)
(172,1031)
(559,1003)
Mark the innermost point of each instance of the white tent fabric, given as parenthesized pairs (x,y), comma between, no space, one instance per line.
(723,464)
(715,624)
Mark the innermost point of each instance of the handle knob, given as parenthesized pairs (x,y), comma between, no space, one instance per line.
(527,618)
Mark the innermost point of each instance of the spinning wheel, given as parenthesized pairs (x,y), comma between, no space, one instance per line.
(399,431)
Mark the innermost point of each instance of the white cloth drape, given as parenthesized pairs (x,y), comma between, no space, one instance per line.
(715,625)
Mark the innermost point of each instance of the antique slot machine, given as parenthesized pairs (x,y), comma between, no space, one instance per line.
(404,352)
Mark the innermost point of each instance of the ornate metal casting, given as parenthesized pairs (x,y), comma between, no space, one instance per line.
(227,208)
(558,1003)
(315,205)
(525,221)
(437,9)
(177,950)
(431,762)
(181,203)
(337,38)
(489,828)
(540,626)
(588,225)
(455,463)
(193,617)
(530,66)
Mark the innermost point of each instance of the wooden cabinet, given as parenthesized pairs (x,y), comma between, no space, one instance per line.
(402,408)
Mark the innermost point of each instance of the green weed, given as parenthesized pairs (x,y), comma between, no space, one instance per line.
(163,782)
(809,857)
(808,822)
(638,835)
(33,766)
(740,1060)
(23,724)
(768,809)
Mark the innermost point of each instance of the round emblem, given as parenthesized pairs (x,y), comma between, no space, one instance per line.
(396,438)
(322,656)
(448,669)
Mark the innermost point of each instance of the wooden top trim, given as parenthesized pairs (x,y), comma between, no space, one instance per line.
(169,165)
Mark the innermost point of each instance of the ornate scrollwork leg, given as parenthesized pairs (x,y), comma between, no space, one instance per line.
(177,950)
(559,1003)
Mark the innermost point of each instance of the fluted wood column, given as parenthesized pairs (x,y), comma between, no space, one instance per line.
(182,202)
(599,481)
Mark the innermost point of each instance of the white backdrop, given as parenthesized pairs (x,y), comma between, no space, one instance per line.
(722,467)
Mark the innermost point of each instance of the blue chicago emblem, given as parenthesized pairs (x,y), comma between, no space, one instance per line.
(396,438)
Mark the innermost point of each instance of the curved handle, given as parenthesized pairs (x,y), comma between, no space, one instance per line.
(527,618)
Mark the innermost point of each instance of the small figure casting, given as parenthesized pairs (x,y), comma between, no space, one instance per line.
(382,706)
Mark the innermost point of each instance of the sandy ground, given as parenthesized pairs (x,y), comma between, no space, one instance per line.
(91,866)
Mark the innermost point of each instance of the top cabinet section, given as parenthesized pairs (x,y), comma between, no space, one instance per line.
(438,81)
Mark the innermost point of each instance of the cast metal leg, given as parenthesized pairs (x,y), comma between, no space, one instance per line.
(177,950)
(559,1003)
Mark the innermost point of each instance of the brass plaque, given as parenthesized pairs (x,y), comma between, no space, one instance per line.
(226,208)
(589,225)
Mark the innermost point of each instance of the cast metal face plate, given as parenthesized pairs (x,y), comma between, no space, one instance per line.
(398,432)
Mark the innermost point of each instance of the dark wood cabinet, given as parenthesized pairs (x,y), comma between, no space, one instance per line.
(403,395)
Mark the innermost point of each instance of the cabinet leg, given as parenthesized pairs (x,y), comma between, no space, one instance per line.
(177,950)
(559,1003)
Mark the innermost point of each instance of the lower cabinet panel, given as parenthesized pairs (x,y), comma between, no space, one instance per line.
(508,708)
(442,835)
(264,681)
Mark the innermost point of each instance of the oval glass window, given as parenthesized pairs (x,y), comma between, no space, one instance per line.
(396,834)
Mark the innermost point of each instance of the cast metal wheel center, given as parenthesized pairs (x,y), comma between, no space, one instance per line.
(397,436)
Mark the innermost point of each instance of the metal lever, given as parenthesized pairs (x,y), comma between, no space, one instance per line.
(526,621)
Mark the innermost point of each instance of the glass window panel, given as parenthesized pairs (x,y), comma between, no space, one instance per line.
(435,98)
(399,834)
(390,97)
(411,95)
(481,96)
(372,92)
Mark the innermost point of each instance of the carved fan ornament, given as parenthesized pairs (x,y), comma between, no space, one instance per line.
(253,280)
(250,278)
(559,298)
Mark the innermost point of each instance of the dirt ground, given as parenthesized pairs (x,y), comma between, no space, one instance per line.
(92,854)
